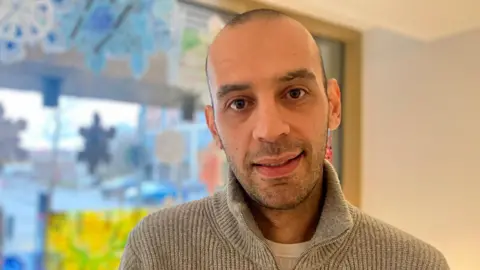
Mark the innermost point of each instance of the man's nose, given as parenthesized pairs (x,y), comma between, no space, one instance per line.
(270,123)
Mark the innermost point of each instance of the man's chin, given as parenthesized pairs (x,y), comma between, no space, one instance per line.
(279,200)
(280,205)
(282,195)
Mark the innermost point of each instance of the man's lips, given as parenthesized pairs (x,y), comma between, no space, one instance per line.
(277,160)
(279,166)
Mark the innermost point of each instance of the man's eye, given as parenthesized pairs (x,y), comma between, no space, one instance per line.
(296,93)
(238,104)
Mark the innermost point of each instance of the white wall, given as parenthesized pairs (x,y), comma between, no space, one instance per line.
(421,142)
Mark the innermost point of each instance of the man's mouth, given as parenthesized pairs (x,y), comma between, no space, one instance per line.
(280,166)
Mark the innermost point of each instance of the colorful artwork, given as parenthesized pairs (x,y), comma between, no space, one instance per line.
(89,240)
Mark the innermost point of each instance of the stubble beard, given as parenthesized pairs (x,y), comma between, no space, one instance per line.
(314,172)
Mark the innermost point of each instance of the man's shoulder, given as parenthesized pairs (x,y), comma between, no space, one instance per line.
(389,234)
(177,217)
(168,225)
(382,238)
(170,232)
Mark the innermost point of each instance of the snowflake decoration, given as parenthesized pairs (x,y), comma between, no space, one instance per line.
(96,139)
(10,150)
(162,11)
(23,22)
(57,39)
(11,51)
(105,29)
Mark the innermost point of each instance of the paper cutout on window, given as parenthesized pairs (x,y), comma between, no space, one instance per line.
(104,29)
(96,150)
(170,147)
(11,51)
(24,22)
(10,150)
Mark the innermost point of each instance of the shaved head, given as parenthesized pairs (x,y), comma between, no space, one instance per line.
(256,14)
(273,106)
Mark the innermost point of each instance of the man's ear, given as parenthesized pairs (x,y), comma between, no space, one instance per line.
(335,104)
(210,117)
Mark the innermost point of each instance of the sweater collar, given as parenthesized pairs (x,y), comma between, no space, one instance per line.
(235,220)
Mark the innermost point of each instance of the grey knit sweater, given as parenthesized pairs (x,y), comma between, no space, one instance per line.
(212,233)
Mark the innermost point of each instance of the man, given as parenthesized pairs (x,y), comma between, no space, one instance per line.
(283,208)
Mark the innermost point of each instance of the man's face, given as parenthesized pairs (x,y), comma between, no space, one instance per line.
(270,111)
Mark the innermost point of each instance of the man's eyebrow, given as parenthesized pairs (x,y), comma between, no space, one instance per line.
(302,73)
(229,88)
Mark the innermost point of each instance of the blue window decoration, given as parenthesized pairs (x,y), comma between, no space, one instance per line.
(103,29)
(23,22)
(11,51)
(26,21)
(13,263)
(162,12)
(55,42)
(57,39)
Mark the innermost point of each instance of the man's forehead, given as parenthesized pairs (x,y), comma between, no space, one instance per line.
(237,68)
(261,50)
(271,64)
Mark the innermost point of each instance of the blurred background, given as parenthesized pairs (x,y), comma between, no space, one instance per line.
(101,118)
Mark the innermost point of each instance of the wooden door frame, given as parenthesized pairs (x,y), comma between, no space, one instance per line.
(352,40)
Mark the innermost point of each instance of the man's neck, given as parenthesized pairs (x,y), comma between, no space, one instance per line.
(290,226)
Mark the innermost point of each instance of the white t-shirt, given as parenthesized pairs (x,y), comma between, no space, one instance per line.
(287,255)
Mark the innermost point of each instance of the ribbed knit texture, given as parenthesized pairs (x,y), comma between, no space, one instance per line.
(212,234)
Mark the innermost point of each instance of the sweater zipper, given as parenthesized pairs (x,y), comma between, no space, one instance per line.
(270,252)
(272,257)
(297,265)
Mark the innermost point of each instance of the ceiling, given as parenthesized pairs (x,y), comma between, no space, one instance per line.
(423,20)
